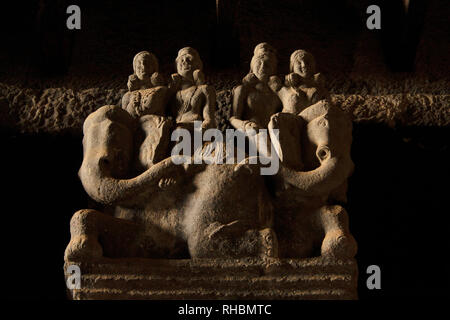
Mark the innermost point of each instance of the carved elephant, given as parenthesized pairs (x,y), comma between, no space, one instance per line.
(305,187)
(169,210)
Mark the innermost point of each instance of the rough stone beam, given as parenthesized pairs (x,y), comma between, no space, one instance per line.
(57,110)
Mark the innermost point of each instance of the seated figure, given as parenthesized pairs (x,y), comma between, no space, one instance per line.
(315,140)
(254,102)
(193,100)
(303,87)
(147,93)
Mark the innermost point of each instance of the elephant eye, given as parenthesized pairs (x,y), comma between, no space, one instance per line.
(323,153)
(324,123)
(104,162)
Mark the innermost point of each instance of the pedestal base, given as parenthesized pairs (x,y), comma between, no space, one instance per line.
(290,279)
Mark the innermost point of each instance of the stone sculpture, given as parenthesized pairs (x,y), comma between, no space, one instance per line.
(303,87)
(155,208)
(306,185)
(254,102)
(160,209)
(146,93)
(315,139)
(194,100)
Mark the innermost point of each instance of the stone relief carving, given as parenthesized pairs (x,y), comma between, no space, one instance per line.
(154,208)
(193,100)
(147,93)
(254,102)
(302,87)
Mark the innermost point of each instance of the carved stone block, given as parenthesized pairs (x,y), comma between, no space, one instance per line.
(293,279)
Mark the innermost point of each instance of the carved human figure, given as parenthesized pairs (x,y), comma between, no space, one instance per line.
(194,100)
(146,91)
(254,102)
(303,87)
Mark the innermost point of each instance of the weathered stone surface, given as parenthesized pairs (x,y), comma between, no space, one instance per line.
(54,109)
(60,110)
(293,279)
(243,232)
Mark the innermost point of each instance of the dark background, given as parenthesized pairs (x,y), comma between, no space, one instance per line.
(397,195)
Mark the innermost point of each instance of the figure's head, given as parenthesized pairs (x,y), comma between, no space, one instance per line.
(145,64)
(264,61)
(187,61)
(303,63)
(264,47)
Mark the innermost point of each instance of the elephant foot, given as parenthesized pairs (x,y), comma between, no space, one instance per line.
(268,243)
(83,248)
(338,244)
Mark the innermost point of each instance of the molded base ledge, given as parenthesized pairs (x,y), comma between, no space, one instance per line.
(290,279)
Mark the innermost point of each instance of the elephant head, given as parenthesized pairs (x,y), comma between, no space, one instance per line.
(326,152)
(108,152)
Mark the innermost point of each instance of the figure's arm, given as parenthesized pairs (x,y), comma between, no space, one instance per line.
(157,79)
(275,84)
(133,83)
(126,99)
(209,110)
(323,93)
(174,83)
(238,108)
(238,102)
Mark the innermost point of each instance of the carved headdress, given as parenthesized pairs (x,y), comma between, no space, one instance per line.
(263,50)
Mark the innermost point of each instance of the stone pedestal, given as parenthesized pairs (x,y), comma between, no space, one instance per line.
(290,279)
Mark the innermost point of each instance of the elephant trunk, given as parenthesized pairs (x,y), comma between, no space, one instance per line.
(107,190)
(332,172)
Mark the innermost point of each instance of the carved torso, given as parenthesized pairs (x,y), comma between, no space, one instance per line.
(189,104)
(294,101)
(261,103)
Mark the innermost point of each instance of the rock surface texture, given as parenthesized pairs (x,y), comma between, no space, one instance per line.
(290,279)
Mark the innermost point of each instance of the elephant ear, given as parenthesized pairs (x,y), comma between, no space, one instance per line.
(107,143)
